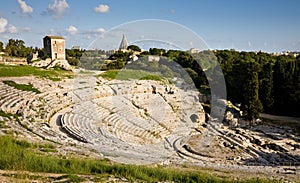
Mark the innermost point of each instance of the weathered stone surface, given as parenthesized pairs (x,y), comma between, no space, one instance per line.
(60,63)
(127,119)
(42,63)
(49,64)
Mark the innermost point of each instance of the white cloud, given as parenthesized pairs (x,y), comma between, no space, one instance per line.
(3,23)
(58,8)
(100,30)
(26,29)
(12,29)
(24,7)
(101,8)
(4,29)
(94,32)
(72,30)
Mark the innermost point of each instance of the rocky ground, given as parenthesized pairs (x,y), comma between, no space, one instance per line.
(131,122)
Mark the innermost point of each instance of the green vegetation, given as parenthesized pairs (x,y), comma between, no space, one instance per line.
(152,77)
(253,79)
(71,178)
(73,56)
(22,87)
(17,48)
(46,147)
(1,46)
(23,176)
(130,74)
(251,104)
(54,74)
(2,113)
(2,124)
(29,178)
(134,48)
(19,155)
(157,51)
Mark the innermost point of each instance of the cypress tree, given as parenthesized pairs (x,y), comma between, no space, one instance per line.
(251,105)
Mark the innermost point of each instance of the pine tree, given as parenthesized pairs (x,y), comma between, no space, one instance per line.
(251,105)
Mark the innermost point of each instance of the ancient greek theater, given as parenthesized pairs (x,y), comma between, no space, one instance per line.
(141,122)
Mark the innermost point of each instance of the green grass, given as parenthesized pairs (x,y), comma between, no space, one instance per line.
(28,177)
(48,150)
(2,124)
(152,77)
(54,74)
(131,74)
(18,155)
(24,176)
(4,114)
(71,178)
(22,87)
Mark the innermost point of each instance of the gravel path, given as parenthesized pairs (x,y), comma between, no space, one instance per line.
(280,118)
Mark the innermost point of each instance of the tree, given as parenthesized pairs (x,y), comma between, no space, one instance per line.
(279,80)
(121,56)
(1,46)
(73,56)
(251,105)
(266,87)
(134,48)
(282,84)
(185,59)
(72,60)
(17,48)
(115,65)
(157,51)
(144,53)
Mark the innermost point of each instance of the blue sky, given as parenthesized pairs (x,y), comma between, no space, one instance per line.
(268,25)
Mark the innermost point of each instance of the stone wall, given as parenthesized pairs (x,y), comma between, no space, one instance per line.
(13,60)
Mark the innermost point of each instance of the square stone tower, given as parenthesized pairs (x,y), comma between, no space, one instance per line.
(55,47)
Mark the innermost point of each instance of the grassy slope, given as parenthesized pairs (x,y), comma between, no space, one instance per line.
(130,74)
(23,70)
(22,87)
(21,155)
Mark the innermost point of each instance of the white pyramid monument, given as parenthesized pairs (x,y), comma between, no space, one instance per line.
(124,43)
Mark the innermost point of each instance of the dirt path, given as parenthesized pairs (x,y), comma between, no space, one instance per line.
(280,118)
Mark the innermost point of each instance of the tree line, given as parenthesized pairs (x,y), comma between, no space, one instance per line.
(17,48)
(262,82)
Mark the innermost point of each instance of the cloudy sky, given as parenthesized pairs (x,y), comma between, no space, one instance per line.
(268,25)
